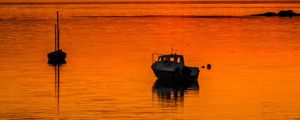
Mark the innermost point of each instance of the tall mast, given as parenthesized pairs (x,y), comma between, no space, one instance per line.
(55,48)
(57,23)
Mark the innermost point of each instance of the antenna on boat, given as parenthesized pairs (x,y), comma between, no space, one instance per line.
(57,23)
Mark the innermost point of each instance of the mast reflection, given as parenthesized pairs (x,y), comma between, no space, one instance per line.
(57,85)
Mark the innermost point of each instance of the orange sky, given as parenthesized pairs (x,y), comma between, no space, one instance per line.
(155,1)
(120,0)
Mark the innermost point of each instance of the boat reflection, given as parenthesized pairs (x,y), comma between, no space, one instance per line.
(57,85)
(175,92)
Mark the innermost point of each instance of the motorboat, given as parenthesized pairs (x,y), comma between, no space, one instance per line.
(172,68)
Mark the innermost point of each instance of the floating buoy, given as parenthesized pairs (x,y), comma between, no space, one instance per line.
(208,66)
(203,67)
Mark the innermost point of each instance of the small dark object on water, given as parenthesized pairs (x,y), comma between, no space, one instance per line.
(282,13)
(203,67)
(208,66)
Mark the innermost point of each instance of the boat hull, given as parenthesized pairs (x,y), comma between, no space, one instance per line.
(165,75)
(185,73)
(185,77)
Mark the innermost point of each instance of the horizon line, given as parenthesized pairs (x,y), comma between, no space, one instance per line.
(155,2)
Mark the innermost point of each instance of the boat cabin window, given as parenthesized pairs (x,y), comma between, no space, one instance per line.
(179,60)
(161,59)
(171,59)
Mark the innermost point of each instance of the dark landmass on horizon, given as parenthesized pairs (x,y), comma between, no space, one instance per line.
(282,13)
(154,2)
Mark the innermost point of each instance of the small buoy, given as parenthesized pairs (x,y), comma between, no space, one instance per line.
(208,66)
(203,67)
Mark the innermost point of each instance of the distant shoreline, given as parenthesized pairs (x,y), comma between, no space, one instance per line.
(169,16)
(162,16)
(153,2)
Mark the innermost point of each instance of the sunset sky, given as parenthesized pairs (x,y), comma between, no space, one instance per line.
(120,0)
(157,1)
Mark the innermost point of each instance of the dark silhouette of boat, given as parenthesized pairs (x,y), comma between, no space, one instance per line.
(171,71)
(58,56)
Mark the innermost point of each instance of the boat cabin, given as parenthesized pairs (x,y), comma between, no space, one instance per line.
(172,58)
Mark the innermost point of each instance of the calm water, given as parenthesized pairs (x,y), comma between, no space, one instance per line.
(255,73)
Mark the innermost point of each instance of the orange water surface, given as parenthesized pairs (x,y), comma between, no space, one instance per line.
(255,61)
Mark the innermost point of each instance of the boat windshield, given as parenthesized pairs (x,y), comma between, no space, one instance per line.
(171,59)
